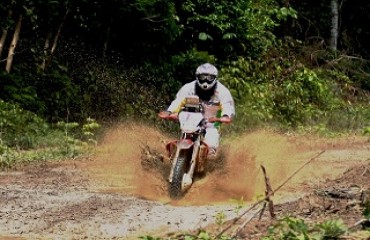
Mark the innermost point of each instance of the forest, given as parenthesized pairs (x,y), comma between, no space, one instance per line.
(70,67)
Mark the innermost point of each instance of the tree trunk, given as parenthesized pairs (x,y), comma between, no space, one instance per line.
(13,44)
(45,52)
(3,38)
(334,25)
(4,34)
(55,42)
(105,46)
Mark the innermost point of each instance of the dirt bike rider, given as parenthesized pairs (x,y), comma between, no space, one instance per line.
(217,100)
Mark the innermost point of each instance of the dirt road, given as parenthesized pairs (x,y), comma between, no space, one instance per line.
(113,195)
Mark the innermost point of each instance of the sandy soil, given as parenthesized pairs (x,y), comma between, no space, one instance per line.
(121,191)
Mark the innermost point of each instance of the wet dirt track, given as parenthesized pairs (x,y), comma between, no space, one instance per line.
(113,195)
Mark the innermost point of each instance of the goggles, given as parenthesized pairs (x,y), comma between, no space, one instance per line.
(202,78)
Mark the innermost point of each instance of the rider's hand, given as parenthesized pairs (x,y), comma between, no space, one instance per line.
(225,119)
(164,114)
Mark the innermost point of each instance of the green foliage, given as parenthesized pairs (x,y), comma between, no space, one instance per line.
(183,65)
(290,228)
(149,238)
(302,96)
(15,89)
(7,156)
(104,91)
(332,229)
(59,93)
(78,138)
(20,128)
(234,28)
(89,130)
(25,137)
(202,235)
(366,212)
(49,94)
(367,131)
(240,203)
(286,92)
(161,10)
(220,218)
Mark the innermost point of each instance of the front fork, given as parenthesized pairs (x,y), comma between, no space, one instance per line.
(194,158)
(185,144)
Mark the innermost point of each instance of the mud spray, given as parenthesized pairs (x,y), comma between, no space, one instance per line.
(118,167)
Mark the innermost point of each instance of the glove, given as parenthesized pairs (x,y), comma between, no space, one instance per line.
(225,119)
(164,114)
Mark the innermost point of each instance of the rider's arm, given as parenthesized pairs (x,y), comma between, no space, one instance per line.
(227,103)
(179,101)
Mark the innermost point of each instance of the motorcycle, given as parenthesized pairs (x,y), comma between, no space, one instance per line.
(188,154)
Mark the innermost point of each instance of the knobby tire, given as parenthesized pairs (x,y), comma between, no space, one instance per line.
(175,186)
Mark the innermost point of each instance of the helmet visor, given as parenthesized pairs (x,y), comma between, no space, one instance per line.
(206,78)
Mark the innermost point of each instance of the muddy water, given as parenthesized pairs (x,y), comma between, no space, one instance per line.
(116,166)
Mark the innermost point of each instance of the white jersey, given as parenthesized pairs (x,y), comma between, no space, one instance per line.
(222,97)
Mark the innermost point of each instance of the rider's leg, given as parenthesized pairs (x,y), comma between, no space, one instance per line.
(212,139)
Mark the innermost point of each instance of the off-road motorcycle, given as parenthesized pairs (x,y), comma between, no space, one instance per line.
(188,154)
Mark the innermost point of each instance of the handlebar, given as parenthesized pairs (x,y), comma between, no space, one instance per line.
(175,117)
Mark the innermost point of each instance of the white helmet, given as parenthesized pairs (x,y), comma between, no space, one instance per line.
(206,75)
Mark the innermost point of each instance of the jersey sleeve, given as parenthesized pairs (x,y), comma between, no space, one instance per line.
(227,103)
(179,101)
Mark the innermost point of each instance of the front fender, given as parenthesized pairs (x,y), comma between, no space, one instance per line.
(180,144)
(185,143)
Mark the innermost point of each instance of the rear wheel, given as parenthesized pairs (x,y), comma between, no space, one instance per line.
(175,189)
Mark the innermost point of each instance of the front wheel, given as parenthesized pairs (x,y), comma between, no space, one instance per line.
(175,189)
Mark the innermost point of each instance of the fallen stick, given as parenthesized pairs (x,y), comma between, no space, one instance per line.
(268,195)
